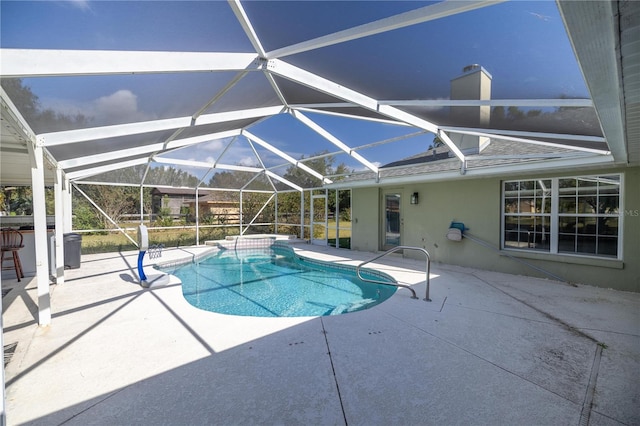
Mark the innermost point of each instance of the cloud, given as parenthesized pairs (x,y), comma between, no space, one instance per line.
(80,4)
(248,161)
(118,107)
(121,103)
(214,146)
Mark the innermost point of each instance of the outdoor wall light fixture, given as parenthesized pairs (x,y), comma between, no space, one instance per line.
(414,198)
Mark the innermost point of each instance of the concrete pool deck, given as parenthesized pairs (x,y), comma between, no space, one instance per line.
(489,348)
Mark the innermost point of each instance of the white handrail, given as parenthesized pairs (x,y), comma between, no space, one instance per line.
(394,249)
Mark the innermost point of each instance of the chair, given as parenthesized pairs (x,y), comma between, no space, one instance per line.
(12,242)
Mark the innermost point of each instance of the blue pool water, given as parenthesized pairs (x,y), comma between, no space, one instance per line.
(273,282)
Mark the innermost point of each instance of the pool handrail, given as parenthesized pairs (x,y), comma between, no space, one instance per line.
(393,250)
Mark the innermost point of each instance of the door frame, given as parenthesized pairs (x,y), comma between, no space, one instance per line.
(314,222)
(384,193)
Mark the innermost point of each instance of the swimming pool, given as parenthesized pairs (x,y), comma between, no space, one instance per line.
(274,282)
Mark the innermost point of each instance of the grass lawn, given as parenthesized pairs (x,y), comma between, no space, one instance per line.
(344,233)
(115,241)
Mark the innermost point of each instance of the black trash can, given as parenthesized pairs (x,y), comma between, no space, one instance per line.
(72,243)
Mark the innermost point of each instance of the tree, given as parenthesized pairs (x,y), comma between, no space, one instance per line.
(322,165)
(115,201)
(498,115)
(18,200)
(437,142)
(514,113)
(40,120)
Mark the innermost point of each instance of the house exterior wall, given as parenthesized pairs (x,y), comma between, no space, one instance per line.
(222,212)
(477,203)
(173,203)
(365,219)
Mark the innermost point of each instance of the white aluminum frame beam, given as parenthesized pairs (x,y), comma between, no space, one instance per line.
(283,180)
(255,139)
(21,63)
(578,103)
(310,108)
(256,176)
(238,168)
(334,140)
(511,135)
(239,76)
(205,165)
(13,115)
(103,169)
(109,156)
(324,85)
(255,152)
(391,140)
(242,17)
(230,85)
(357,148)
(447,140)
(276,89)
(412,17)
(94,133)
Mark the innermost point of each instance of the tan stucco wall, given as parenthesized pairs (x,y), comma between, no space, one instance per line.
(476,203)
(365,219)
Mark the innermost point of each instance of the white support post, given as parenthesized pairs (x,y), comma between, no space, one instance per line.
(197,219)
(336,215)
(67,200)
(3,419)
(3,408)
(240,214)
(40,235)
(59,233)
(302,215)
(141,204)
(275,228)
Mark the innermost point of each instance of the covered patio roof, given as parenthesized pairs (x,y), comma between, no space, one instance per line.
(259,87)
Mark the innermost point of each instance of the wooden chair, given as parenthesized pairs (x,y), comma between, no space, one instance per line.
(12,242)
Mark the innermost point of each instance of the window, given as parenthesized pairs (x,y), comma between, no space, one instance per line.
(527,214)
(578,215)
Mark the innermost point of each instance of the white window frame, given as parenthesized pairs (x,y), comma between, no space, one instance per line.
(555,217)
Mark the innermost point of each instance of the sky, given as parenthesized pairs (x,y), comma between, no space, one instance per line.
(522,44)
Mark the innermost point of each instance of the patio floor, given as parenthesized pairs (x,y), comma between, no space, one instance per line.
(490,348)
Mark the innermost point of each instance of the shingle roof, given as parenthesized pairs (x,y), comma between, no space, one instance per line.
(442,160)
